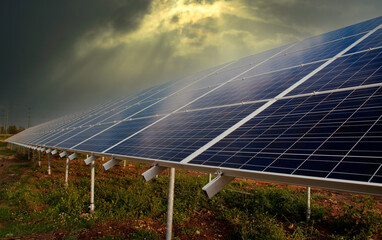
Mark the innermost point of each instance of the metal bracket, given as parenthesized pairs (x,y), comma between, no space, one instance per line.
(89,160)
(152,172)
(217,184)
(42,149)
(73,156)
(54,152)
(63,154)
(111,163)
(48,151)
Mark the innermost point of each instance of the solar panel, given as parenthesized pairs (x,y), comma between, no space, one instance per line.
(314,136)
(308,110)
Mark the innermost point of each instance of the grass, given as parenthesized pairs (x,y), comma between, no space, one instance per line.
(37,203)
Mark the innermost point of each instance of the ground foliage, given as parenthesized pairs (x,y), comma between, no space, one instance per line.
(37,205)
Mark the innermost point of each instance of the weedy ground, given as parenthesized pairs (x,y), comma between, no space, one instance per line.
(34,205)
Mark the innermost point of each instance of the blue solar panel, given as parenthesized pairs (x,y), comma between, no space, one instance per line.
(182,133)
(254,88)
(311,108)
(349,71)
(313,136)
(81,135)
(114,111)
(375,40)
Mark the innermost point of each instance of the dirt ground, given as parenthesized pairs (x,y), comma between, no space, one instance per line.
(6,161)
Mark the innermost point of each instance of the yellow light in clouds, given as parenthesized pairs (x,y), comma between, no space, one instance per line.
(170,16)
(165,16)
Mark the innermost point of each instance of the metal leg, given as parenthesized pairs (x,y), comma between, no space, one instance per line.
(49,163)
(33,156)
(92,175)
(308,210)
(67,172)
(39,158)
(209,177)
(29,154)
(170,203)
(124,163)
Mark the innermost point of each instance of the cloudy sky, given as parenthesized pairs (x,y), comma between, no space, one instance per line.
(59,57)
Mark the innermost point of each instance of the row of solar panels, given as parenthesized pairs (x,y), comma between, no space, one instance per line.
(310,109)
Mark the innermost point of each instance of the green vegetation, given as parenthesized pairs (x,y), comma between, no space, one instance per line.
(35,203)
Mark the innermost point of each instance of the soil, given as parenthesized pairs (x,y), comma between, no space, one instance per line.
(6,161)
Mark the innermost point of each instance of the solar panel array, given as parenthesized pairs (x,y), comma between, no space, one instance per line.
(311,109)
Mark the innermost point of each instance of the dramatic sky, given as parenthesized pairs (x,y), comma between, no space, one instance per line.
(59,57)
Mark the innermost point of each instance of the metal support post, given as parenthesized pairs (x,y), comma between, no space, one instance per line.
(209,177)
(308,210)
(29,154)
(124,163)
(170,203)
(48,163)
(92,175)
(33,155)
(67,172)
(39,158)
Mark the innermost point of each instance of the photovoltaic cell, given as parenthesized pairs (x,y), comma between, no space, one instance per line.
(311,136)
(254,88)
(349,71)
(112,135)
(375,40)
(181,133)
(81,135)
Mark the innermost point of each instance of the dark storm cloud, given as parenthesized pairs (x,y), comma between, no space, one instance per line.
(36,35)
(320,15)
(128,16)
(63,56)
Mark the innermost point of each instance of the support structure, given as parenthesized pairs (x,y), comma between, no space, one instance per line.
(39,158)
(217,184)
(72,156)
(91,160)
(308,209)
(63,154)
(153,172)
(49,164)
(48,152)
(29,154)
(170,203)
(124,163)
(209,177)
(33,155)
(67,172)
(111,163)
(92,179)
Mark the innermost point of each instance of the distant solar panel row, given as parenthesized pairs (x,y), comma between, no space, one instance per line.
(312,109)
